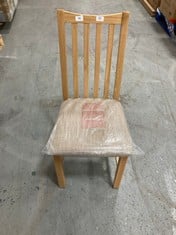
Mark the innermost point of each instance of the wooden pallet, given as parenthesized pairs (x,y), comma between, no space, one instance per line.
(148,7)
(1,42)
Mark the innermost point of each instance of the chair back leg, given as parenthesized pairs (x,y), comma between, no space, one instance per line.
(121,162)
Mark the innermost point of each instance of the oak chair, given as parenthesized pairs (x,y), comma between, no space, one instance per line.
(121,19)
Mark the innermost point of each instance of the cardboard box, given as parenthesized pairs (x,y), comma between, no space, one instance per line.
(168,26)
(168,8)
(7,9)
(154,3)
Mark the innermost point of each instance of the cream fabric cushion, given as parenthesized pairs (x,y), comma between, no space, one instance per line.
(90,126)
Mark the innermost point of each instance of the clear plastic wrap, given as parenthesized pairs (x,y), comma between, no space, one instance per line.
(91,126)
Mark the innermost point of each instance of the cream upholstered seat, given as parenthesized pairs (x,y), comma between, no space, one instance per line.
(90,126)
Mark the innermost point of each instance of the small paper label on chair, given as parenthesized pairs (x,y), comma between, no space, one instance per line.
(79,18)
(99,18)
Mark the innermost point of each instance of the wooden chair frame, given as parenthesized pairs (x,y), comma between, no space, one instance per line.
(121,19)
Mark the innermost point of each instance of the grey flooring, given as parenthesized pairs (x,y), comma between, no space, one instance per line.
(30,96)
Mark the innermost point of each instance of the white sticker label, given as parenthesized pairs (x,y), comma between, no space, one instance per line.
(99,18)
(79,18)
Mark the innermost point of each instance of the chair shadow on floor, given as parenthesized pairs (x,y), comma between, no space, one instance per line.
(83,168)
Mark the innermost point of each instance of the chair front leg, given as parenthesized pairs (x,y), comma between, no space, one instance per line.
(58,163)
(121,162)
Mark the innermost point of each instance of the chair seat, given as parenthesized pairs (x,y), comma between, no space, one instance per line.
(90,126)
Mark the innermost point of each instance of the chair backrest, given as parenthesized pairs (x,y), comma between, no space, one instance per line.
(121,19)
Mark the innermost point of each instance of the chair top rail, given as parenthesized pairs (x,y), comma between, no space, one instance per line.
(71,17)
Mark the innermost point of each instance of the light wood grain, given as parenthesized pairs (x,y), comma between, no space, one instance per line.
(121,54)
(1,42)
(86,60)
(91,19)
(97,59)
(121,163)
(63,57)
(58,163)
(75,59)
(64,16)
(108,59)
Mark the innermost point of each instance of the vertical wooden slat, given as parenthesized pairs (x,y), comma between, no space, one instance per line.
(121,53)
(108,59)
(62,47)
(97,59)
(75,59)
(86,60)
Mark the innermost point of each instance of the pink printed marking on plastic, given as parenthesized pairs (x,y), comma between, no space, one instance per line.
(93,115)
(92,106)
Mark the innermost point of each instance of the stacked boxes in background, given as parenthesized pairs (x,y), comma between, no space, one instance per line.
(168,8)
(154,3)
(166,16)
(7,9)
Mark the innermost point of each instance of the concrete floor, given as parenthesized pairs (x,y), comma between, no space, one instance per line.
(30,95)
